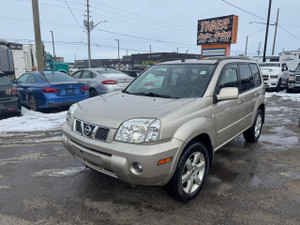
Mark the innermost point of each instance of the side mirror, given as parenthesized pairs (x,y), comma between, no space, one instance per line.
(228,93)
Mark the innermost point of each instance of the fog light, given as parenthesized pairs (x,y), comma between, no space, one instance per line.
(137,168)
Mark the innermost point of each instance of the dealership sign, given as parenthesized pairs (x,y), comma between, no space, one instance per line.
(220,30)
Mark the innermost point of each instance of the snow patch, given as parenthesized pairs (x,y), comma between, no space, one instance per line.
(72,171)
(33,121)
(284,96)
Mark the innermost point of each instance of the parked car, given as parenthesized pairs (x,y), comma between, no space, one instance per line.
(165,127)
(9,97)
(50,89)
(133,72)
(275,75)
(102,80)
(294,81)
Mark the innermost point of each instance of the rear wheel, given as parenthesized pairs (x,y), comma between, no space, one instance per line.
(93,93)
(253,133)
(32,103)
(190,173)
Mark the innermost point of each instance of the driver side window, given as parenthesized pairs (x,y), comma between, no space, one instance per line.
(229,78)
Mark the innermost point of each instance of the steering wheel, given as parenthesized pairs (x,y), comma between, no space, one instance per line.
(192,90)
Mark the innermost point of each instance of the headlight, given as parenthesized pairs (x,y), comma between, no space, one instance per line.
(70,113)
(292,78)
(139,130)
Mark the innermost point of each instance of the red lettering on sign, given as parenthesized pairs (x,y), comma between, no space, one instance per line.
(225,23)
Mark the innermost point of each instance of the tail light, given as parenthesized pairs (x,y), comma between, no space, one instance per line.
(50,90)
(11,91)
(108,82)
(84,88)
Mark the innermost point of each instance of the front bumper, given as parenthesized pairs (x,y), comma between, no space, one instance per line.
(116,158)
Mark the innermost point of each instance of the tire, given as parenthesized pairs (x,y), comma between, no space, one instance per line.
(32,103)
(253,133)
(289,90)
(93,93)
(192,168)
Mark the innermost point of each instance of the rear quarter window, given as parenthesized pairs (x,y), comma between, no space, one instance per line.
(255,74)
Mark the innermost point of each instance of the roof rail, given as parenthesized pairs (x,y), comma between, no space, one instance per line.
(219,59)
(167,60)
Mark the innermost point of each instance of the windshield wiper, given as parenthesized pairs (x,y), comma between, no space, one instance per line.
(126,92)
(151,94)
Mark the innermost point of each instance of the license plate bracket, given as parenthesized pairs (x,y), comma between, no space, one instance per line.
(70,91)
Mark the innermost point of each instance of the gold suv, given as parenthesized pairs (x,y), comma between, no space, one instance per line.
(164,128)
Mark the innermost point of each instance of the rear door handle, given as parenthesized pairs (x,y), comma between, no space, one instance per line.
(256,93)
(240,101)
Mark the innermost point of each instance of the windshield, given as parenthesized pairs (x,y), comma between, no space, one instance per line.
(58,77)
(173,81)
(269,65)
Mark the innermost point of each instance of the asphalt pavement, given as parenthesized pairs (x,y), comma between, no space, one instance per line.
(249,183)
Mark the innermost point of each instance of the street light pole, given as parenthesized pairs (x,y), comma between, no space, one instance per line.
(150,48)
(246,47)
(53,46)
(275,32)
(118,48)
(267,31)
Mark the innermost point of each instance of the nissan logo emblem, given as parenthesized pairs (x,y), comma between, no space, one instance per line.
(87,130)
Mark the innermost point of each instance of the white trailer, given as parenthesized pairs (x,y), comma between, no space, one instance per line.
(291,58)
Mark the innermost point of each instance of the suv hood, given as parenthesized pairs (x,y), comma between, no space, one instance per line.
(113,109)
(270,70)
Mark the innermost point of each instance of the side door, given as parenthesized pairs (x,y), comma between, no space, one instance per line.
(22,86)
(286,74)
(86,77)
(229,114)
(248,91)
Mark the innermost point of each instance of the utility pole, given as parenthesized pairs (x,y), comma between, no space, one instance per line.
(88,32)
(37,35)
(275,32)
(267,31)
(150,48)
(246,47)
(53,46)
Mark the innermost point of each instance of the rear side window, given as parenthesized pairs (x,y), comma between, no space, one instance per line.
(23,78)
(31,79)
(246,77)
(86,74)
(4,81)
(255,74)
(76,75)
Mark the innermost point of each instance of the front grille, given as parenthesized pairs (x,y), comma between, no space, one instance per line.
(266,77)
(297,78)
(94,132)
(101,133)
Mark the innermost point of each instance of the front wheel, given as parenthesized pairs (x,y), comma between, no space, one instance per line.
(190,173)
(253,133)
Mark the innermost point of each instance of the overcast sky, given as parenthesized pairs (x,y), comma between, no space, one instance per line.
(165,25)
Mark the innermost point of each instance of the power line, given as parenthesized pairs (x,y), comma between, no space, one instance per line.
(229,3)
(289,33)
(73,14)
